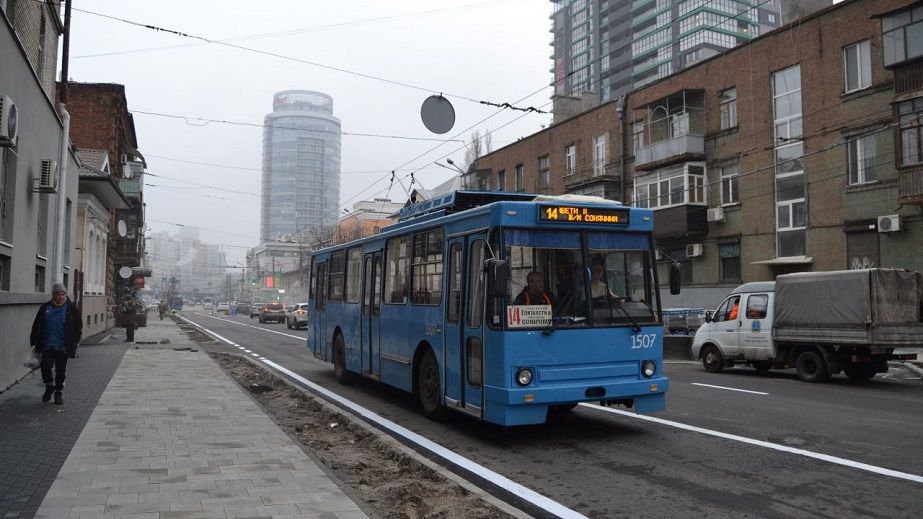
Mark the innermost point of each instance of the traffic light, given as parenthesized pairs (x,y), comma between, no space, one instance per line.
(253,280)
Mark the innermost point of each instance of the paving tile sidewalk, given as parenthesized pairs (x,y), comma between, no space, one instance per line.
(174,437)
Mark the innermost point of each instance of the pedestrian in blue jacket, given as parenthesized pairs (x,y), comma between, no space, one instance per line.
(56,333)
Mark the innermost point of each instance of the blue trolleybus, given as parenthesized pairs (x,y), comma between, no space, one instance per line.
(502,306)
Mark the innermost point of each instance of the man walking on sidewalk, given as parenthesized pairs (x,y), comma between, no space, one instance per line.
(129,316)
(56,332)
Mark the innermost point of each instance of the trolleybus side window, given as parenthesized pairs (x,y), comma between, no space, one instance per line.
(353,277)
(320,279)
(476,284)
(453,305)
(398,260)
(426,268)
(337,275)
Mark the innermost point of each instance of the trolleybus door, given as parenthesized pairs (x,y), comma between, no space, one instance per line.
(320,340)
(370,316)
(464,338)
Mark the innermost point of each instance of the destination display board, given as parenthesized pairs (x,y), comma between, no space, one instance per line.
(588,215)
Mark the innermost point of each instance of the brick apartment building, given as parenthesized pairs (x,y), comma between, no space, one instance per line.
(799,151)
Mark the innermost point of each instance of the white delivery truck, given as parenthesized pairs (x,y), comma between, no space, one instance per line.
(820,323)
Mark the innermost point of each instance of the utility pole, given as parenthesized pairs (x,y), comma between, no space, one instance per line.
(274,292)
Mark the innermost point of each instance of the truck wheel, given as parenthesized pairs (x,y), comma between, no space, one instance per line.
(342,375)
(860,372)
(811,367)
(712,359)
(761,366)
(429,387)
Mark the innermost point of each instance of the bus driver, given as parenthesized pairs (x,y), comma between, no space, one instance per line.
(534,292)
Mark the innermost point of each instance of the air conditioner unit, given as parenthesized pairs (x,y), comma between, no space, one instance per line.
(8,121)
(47,181)
(693,250)
(889,223)
(715,214)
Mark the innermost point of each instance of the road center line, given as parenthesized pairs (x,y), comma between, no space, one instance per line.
(729,388)
(300,338)
(768,445)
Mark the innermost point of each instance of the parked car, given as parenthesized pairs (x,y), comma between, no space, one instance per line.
(297,316)
(255,309)
(243,308)
(223,308)
(272,312)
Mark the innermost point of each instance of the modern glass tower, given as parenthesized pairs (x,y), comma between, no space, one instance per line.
(605,48)
(301,165)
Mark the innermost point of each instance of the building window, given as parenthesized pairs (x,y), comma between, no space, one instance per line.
(789,163)
(729,266)
(861,154)
(426,268)
(4,272)
(599,155)
(501,180)
(911,128)
(862,250)
(544,171)
(637,135)
(857,66)
(39,278)
(729,179)
(685,185)
(570,160)
(728,108)
(519,180)
(902,35)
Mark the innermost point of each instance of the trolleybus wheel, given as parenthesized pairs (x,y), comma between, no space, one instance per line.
(428,387)
(342,375)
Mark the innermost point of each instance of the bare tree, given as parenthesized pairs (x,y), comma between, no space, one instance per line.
(477,148)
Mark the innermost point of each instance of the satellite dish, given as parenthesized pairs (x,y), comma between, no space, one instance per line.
(438,114)
(125,272)
(122,228)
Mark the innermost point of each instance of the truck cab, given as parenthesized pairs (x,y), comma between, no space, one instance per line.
(739,330)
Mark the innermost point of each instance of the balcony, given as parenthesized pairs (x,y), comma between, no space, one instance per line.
(131,187)
(611,172)
(910,185)
(682,221)
(681,148)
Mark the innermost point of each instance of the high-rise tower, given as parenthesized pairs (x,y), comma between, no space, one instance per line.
(301,165)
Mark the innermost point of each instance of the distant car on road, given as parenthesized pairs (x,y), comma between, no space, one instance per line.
(297,316)
(223,308)
(243,308)
(255,310)
(272,312)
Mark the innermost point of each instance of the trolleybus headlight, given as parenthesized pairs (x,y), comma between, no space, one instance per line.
(648,368)
(524,376)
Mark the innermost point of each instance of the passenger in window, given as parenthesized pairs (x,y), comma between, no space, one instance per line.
(534,292)
(732,316)
(598,287)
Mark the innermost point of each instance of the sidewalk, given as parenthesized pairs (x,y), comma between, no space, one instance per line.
(174,437)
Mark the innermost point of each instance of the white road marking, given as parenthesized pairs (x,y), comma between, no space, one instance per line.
(300,338)
(768,445)
(526,494)
(507,484)
(730,388)
(247,351)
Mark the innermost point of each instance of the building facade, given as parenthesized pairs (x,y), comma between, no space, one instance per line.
(605,48)
(199,269)
(799,151)
(30,165)
(301,165)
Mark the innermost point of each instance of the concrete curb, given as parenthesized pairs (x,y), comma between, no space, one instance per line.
(394,444)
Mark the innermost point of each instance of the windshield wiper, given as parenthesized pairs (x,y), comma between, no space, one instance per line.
(555,321)
(635,327)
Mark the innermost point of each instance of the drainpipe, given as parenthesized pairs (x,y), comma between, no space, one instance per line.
(621,109)
(60,216)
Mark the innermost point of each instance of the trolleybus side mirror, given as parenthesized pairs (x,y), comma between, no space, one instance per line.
(498,276)
(676,278)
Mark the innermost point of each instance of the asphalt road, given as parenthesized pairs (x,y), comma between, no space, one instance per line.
(699,460)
